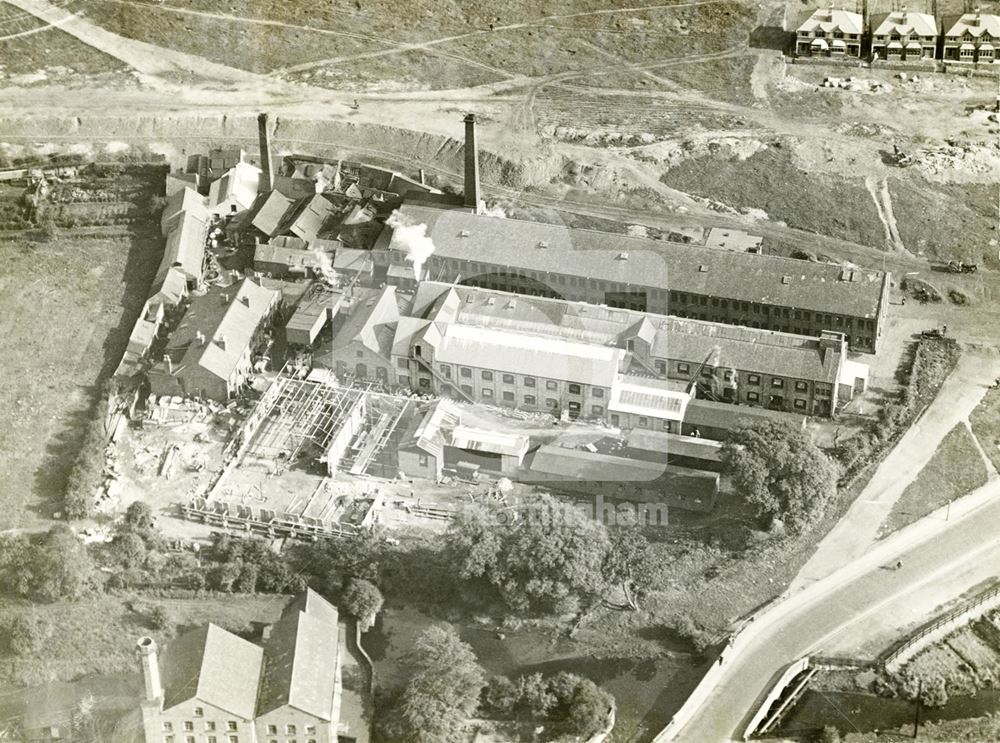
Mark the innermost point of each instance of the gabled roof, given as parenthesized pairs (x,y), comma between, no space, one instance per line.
(520,245)
(430,432)
(293,258)
(185,199)
(271,217)
(371,322)
(212,666)
(904,23)
(300,659)
(238,186)
(974,23)
(834,19)
(185,245)
(355,261)
(314,215)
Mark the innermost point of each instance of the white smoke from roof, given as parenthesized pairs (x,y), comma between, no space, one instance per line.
(494,211)
(411,239)
(326,267)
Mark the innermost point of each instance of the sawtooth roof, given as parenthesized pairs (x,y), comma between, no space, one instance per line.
(644,262)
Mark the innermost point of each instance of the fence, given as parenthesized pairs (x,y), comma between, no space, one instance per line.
(963,614)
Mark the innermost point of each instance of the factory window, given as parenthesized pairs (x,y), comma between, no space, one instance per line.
(231,725)
(209,725)
(467,389)
(168,739)
(423,461)
(361,355)
(529,381)
(417,351)
(403,363)
(683,368)
(508,396)
(643,422)
(614,420)
(753,396)
(487,375)
(487,393)
(199,712)
(777,382)
(707,371)
(188,725)
(668,426)
(597,410)
(728,376)
(800,404)
(425,383)
(597,392)
(801,386)
(704,301)
(724,304)
(446,370)
(272,729)
(188,739)
(574,389)
(404,381)
(753,378)
(551,402)
(168,726)
(289,729)
(529,399)
(551,385)
(212,739)
(234,739)
(661,366)
(508,379)
(311,730)
(630,345)
(466,372)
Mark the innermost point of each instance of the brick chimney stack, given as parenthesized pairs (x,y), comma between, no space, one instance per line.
(267,176)
(150,669)
(471,164)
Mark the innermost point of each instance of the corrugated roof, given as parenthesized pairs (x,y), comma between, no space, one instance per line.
(661,399)
(496,442)
(212,666)
(643,262)
(904,23)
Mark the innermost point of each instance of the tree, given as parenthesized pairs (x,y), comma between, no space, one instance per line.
(829,734)
(63,568)
(443,691)
(138,519)
(159,617)
(500,695)
(128,549)
(542,557)
(25,633)
(630,563)
(779,472)
(587,711)
(16,560)
(534,697)
(362,600)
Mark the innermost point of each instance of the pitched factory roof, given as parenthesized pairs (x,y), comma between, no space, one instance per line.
(237,186)
(834,19)
(185,245)
(725,415)
(533,355)
(212,666)
(313,216)
(371,321)
(496,442)
(293,258)
(185,199)
(219,326)
(299,659)
(429,432)
(643,262)
(904,23)
(975,24)
(748,349)
(355,261)
(271,216)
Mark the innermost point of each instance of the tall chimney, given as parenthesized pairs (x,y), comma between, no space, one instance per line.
(150,669)
(471,164)
(267,176)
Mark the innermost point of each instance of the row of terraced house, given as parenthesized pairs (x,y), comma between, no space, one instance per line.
(901,35)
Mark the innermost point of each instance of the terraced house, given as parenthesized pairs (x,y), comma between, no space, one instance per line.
(904,36)
(758,291)
(830,32)
(972,37)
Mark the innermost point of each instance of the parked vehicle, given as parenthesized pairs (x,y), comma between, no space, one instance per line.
(962,267)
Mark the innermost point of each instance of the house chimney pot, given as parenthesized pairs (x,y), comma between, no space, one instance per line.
(222,342)
(471,164)
(266,182)
(150,670)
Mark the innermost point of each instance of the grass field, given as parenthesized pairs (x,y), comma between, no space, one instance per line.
(67,307)
(985,421)
(98,635)
(955,469)
(50,50)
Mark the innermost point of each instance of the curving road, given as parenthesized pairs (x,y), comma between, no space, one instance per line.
(863,600)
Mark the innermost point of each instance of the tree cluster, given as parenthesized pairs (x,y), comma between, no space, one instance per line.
(88,468)
(54,567)
(547,556)
(570,704)
(780,473)
(249,566)
(442,692)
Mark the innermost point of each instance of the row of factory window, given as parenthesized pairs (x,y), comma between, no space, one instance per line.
(229,739)
(232,725)
(488,376)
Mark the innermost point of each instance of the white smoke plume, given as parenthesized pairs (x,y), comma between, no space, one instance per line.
(326,267)
(411,239)
(494,211)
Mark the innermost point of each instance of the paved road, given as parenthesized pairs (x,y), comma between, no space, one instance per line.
(941,559)
(858,529)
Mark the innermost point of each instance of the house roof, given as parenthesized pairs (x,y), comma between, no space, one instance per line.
(238,186)
(904,23)
(643,262)
(213,666)
(976,24)
(300,657)
(271,217)
(218,327)
(316,213)
(834,19)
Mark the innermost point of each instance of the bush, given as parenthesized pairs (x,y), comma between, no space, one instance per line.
(829,734)
(160,617)
(362,600)
(500,696)
(25,634)
(687,629)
